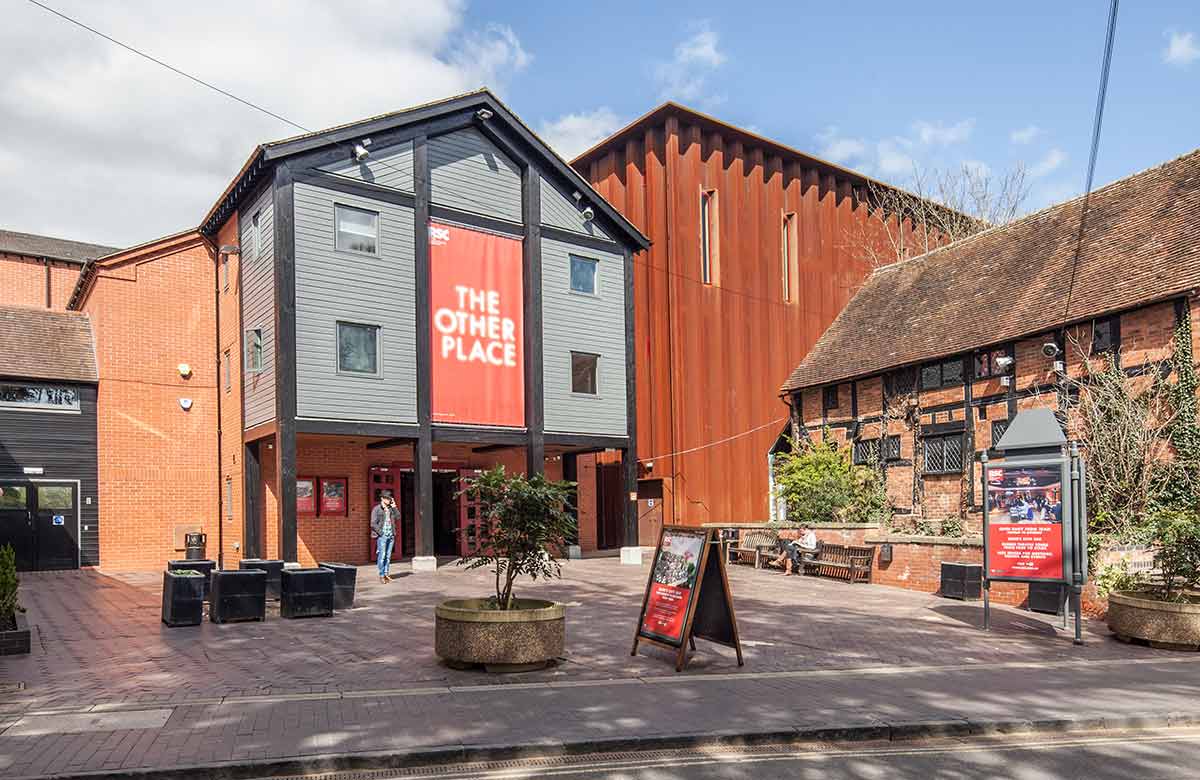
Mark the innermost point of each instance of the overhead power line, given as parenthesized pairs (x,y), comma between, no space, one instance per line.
(1097,124)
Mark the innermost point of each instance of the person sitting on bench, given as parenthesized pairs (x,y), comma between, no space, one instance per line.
(793,551)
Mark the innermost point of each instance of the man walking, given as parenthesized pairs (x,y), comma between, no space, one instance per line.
(384,517)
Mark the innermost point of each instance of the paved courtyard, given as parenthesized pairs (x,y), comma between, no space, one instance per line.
(109,687)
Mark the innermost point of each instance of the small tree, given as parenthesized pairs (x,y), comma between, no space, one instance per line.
(819,483)
(525,524)
(1174,536)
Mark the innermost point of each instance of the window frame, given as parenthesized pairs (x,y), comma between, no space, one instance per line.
(225,273)
(251,347)
(862,458)
(1114,335)
(337,349)
(827,392)
(1003,426)
(337,247)
(595,262)
(18,406)
(941,368)
(595,373)
(992,371)
(910,373)
(885,448)
(709,235)
(941,439)
(227,365)
(788,251)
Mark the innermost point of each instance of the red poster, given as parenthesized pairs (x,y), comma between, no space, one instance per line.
(1024,528)
(476,307)
(306,496)
(1025,550)
(333,497)
(671,584)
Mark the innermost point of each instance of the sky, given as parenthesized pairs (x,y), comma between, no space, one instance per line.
(99,145)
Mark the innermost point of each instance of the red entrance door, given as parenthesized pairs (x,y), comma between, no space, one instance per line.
(469,529)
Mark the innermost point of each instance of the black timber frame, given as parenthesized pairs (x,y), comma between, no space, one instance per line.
(423,446)
(285,359)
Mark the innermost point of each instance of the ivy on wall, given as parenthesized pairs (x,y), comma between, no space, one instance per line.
(1181,484)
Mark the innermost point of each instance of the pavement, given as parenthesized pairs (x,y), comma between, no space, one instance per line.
(109,689)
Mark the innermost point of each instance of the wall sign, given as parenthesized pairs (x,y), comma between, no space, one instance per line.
(1025,522)
(677,607)
(476,307)
(306,496)
(59,520)
(333,497)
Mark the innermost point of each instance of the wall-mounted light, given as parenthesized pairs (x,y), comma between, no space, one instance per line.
(588,214)
(484,114)
(185,404)
(185,370)
(361,152)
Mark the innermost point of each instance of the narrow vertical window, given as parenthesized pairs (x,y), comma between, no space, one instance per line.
(229,497)
(225,272)
(228,371)
(787,244)
(584,369)
(254,351)
(708,234)
(255,235)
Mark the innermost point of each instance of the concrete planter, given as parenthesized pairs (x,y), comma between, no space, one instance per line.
(530,636)
(1163,624)
(15,642)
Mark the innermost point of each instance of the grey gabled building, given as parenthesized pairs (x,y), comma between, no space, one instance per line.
(417,296)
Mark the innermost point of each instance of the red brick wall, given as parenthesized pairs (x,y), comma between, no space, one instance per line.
(158,462)
(228,300)
(23,281)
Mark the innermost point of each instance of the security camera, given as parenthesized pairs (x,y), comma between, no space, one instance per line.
(1050,349)
(484,114)
(360,152)
(588,214)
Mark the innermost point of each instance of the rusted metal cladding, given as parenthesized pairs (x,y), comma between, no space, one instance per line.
(711,357)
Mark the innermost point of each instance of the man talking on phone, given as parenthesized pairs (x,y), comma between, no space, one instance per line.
(384,518)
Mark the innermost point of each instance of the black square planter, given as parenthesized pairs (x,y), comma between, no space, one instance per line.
(344,578)
(962,581)
(183,597)
(204,567)
(1045,597)
(306,593)
(238,595)
(273,569)
(16,641)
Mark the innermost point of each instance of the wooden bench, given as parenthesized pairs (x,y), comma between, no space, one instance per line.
(842,561)
(758,543)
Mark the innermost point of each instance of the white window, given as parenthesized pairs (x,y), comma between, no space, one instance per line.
(254,351)
(358,349)
(228,371)
(255,235)
(583,275)
(584,367)
(356,230)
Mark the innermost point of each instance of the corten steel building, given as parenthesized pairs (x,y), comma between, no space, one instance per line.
(753,256)
(388,304)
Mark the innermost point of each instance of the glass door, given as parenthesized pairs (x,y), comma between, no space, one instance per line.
(16,522)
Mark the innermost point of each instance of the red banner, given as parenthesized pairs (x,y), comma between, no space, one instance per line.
(1026,550)
(476,309)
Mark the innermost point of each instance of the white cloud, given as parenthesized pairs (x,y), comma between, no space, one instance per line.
(894,160)
(1025,134)
(943,134)
(840,149)
(1181,48)
(572,134)
(1048,164)
(685,76)
(101,145)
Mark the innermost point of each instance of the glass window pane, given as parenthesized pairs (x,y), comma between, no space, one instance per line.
(952,372)
(931,376)
(357,229)
(55,497)
(933,454)
(358,348)
(13,496)
(583,373)
(43,397)
(583,275)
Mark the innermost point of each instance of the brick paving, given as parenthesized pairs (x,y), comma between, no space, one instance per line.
(817,652)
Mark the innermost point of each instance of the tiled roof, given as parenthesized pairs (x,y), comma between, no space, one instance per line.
(45,344)
(1141,244)
(14,243)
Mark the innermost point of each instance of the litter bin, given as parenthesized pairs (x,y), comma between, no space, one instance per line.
(193,546)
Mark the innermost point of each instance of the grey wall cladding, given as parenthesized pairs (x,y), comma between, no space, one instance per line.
(354,287)
(258,303)
(468,172)
(390,166)
(583,323)
(561,211)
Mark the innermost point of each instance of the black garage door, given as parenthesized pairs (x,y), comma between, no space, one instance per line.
(41,522)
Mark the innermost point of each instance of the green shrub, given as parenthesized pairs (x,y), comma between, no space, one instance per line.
(1174,535)
(819,484)
(9,582)
(1117,577)
(526,523)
